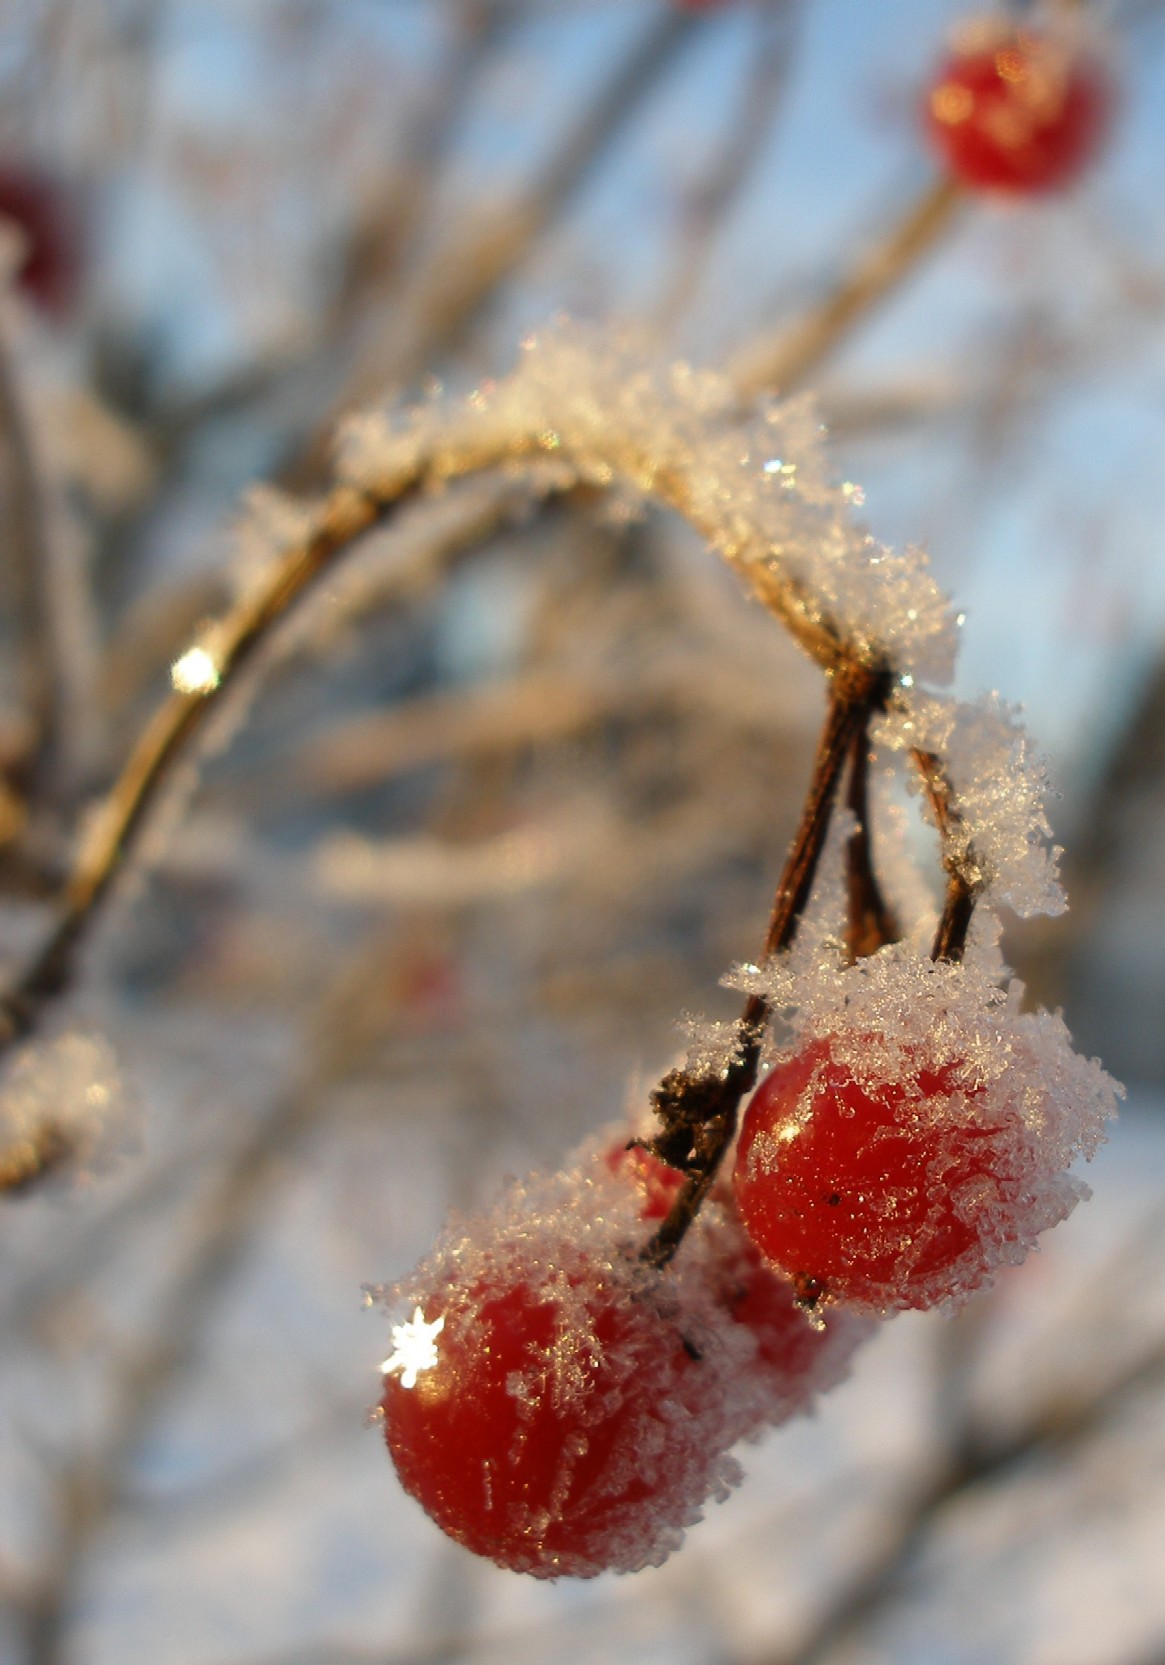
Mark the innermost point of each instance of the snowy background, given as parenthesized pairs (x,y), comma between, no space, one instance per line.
(433,914)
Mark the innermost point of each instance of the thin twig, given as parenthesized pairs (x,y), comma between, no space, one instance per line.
(480,31)
(971,1461)
(216,1240)
(870,920)
(713,199)
(451,286)
(784,359)
(964,880)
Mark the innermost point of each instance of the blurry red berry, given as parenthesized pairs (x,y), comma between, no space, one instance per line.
(44,210)
(1020,111)
(795,1358)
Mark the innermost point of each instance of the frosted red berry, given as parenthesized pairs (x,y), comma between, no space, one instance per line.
(793,1359)
(658,1184)
(1017,110)
(555,1421)
(885,1194)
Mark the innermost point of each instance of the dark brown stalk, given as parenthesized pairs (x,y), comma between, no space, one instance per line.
(870,920)
(699,1112)
(964,882)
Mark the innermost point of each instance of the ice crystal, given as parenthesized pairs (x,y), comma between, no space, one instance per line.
(1000,784)
(755,480)
(62,1105)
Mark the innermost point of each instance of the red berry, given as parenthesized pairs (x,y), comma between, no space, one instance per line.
(558,1419)
(657,1182)
(787,1343)
(879,1193)
(1016,110)
(794,1359)
(45,213)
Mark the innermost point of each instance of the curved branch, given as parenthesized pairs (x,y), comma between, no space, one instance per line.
(344,516)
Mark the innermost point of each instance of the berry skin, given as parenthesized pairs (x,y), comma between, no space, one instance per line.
(554,1421)
(882,1195)
(794,1359)
(559,1407)
(1017,111)
(658,1184)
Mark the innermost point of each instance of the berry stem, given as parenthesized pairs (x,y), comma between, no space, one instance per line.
(699,1111)
(871,921)
(856,690)
(964,878)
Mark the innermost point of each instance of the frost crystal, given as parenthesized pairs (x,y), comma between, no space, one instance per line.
(754,480)
(1010,1077)
(62,1105)
(1000,784)
(414,1348)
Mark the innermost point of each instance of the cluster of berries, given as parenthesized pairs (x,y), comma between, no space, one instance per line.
(559,1404)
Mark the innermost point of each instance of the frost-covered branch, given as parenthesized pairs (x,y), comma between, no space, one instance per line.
(756,487)
(582,413)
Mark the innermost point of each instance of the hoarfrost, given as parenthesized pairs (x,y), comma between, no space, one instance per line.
(1000,784)
(62,1106)
(1010,1076)
(713,1046)
(664,1373)
(755,480)
(269,523)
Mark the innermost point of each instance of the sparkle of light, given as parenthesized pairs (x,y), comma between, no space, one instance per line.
(194,673)
(951,104)
(1010,64)
(414,1348)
